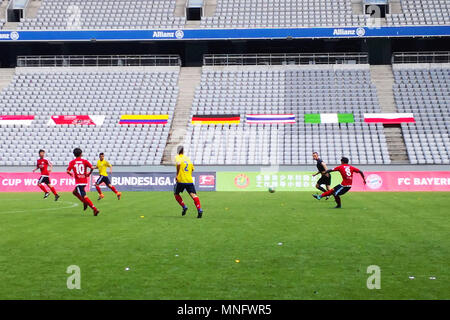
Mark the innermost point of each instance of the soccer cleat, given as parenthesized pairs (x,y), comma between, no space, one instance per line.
(85,206)
(183,213)
(96,212)
(317,196)
(46,195)
(200,214)
(119,194)
(57,197)
(100,196)
(338,207)
(326,198)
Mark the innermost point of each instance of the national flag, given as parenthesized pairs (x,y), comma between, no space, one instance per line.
(144,119)
(217,119)
(329,118)
(16,120)
(389,118)
(270,118)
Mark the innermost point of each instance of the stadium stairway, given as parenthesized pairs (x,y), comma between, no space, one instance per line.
(383,78)
(3,5)
(188,81)
(396,6)
(32,8)
(210,8)
(6,76)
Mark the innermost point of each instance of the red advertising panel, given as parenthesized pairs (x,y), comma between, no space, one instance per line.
(27,182)
(77,120)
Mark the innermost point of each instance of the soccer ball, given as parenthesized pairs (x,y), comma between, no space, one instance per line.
(271,189)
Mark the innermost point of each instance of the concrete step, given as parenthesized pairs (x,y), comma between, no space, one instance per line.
(210,8)
(3,7)
(6,76)
(32,8)
(396,144)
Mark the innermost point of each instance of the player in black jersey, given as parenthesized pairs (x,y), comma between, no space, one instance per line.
(325,179)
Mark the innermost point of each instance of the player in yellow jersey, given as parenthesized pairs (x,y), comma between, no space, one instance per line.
(102,166)
(185,181)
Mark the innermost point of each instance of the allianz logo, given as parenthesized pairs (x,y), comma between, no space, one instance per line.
(12,35)
(179,34)
(349,32)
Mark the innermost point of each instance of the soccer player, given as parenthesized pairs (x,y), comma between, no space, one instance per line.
(46,167)
(185,181)
(325,179)
(346,172)
(102,165)
(81,169)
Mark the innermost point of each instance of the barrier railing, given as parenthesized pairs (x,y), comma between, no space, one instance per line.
(421,57)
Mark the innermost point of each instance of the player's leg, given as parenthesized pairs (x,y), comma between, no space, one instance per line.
(318,187)
(113,189)
(338,202)
(327,193)
(53,190)
(97,187)
(338,194)
(176,191)
(42,187)
(76,193)
(193,193)
(87,201)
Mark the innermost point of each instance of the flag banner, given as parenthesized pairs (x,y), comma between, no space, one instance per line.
(329,118)
(389,118)
(217,119)
(16,120)
(270,118)
(144,119)
(77,120)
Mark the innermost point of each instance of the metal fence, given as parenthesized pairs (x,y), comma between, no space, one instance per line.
(284,59)
(98,61)
(421,57)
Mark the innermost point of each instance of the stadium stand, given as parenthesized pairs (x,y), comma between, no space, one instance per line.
(423,12)
(110,91)
(99,14)
(298,89)
(424,89)
(283,13)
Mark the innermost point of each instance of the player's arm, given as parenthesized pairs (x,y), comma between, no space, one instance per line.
(69,170)
(34,170)
(50,167)
(325,166)
(178,171)
(89,169)
(362,176)
(110,168)
(331,170)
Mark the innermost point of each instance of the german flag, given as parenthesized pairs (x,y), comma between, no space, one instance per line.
(216,119)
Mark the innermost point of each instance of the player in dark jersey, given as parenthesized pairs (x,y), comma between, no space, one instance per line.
(346,172)
(45,167)
(81,169)
(325,178)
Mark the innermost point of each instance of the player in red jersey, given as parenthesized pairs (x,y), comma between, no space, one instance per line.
(346,172)
(81,169)
(46,167)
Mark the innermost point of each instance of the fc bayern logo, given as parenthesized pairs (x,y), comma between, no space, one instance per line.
(179,34)
(374,181)
(241,181)
(361,32)
(14,35)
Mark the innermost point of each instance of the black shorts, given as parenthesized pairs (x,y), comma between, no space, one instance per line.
(180,187)
(103,179)
(340,190)
(324,180)
(44,179)
(81,190)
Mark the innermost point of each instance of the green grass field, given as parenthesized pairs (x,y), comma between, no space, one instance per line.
(324,253)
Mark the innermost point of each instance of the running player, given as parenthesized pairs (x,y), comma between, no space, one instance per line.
(46,167)
(81,169)
(102,165)
(346,172)
(185,182)
(325,178)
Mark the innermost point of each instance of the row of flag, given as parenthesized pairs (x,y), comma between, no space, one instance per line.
(386,118)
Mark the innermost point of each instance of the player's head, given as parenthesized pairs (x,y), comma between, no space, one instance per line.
(344,160)
(77,152)
(180,150)
(102,156)
(41,153)
(315,156)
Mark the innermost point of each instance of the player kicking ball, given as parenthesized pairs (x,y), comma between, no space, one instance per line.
(46,168)
(346,172)
(185,182)
(325,178)
(102,165)
(81,169)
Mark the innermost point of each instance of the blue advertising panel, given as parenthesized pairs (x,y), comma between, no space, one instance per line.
(155,181)
(225,34)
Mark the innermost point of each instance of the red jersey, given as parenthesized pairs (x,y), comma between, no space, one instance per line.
(346,172)
(43,165)
(79,167)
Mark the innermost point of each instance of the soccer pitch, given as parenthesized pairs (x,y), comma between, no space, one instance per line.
(284,245)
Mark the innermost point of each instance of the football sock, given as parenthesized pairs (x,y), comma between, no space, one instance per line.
(328,193)
(338,200)
(321,189)
(180,200)
(89,202)
(78,196)
(98,189)
(52,189)
(197,204)
(113,189)
(43,188)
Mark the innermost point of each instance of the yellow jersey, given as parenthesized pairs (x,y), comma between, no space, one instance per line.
(186,168)
(102,166)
